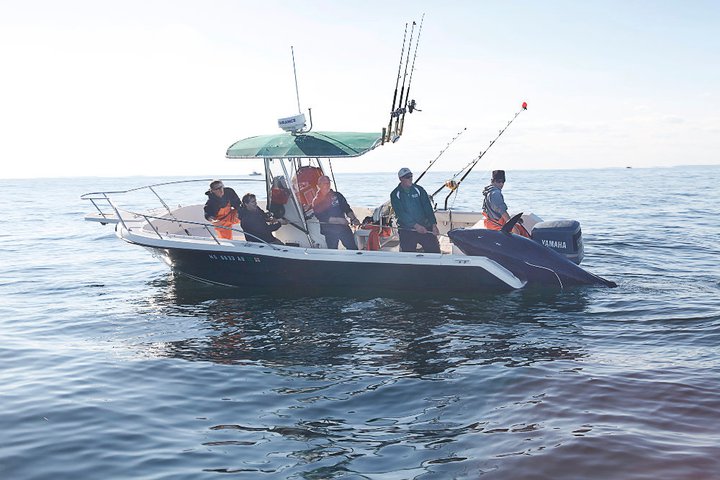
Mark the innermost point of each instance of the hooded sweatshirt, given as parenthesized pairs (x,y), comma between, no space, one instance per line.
(494,203)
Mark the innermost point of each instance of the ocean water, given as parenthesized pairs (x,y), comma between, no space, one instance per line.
(111,367)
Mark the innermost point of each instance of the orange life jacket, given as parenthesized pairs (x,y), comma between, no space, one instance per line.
(491,224)
(279,195)
(376,232)
(306,183)
(226,217)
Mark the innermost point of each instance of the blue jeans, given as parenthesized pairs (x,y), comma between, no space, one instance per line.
(335,233)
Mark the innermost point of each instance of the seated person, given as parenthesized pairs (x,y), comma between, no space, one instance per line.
(221,208)
(495,210)
(331,208)
(257,224)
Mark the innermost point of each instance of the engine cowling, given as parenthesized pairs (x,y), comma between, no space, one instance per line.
(562,236)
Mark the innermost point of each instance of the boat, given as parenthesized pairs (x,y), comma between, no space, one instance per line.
(190,245)
(293,161)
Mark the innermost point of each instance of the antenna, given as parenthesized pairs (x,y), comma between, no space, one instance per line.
(297,92)
(296,123)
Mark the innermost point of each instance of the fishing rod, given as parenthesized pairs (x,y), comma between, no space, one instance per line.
(396,112)
(397,82)
(441,153)
(411,106)
(452,184)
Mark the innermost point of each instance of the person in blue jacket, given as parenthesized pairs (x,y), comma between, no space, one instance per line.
(331,209)
(415,215)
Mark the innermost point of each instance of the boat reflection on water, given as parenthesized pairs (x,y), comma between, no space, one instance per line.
(414,337)
(319,387)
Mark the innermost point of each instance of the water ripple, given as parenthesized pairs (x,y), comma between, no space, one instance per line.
(112,366)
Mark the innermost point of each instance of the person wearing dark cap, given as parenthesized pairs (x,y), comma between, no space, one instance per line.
(222,208)
(494,207)
(415,215)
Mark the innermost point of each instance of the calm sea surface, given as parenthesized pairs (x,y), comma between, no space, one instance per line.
(111,367)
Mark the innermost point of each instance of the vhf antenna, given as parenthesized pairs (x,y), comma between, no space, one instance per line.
(295,124)
(297,92)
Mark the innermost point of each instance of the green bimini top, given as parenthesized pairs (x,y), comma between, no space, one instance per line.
(306,145)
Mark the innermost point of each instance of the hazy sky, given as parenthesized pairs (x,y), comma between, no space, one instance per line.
(164,87)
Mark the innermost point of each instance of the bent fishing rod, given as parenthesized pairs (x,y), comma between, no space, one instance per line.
(452,184)
(440,154)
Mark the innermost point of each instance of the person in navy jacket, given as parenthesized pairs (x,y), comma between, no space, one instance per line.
(333,211)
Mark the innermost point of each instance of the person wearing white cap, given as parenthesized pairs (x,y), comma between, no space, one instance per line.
(415,215)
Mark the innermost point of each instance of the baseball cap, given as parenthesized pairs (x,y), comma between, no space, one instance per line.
(404,171)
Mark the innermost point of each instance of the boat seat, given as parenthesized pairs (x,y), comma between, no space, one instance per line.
(390,243)
(362,238)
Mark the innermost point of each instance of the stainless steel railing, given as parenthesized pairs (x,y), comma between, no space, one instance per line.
(104,200)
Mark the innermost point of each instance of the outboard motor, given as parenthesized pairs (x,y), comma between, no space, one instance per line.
(563,236)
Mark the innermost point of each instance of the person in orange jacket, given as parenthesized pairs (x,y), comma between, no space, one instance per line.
(494,207)
(221,208)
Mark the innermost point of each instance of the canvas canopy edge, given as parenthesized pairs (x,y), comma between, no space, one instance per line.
(307,145)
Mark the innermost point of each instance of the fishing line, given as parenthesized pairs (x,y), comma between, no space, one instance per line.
(551,270)
(440,154)
(452,184)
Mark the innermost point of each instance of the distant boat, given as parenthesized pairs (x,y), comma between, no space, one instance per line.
(255,174)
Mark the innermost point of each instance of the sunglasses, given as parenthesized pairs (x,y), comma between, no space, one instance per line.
(409,175)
